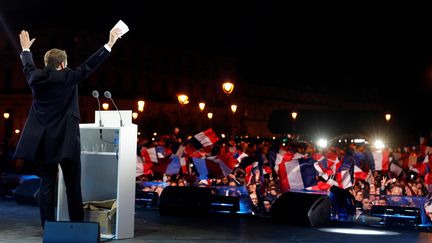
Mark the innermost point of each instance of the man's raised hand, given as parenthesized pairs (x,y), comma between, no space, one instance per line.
(25,40)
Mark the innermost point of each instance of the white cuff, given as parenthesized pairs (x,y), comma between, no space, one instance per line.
(26,49)
(107,47)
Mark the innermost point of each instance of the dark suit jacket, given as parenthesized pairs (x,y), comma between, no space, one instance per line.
(52,125)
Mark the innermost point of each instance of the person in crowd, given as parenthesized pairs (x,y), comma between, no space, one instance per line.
(267,203)
(367,205)
(255,204)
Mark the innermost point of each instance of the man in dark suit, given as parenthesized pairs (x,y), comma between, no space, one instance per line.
(51,133)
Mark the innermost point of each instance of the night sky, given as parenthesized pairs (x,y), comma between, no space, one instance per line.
(384,51)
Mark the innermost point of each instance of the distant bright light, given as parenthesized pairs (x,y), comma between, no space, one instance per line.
(223,135)
(322,142)
(233,108)
(155,134)
(134,115)
(201,106)
(141,104)
(358,231)
(183,99)
(17,131)
(274,138)
(6,115)
(379,144)
(105,106)
(359,140)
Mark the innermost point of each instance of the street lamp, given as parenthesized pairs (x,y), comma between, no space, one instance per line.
(294,116)
(201,106)
(105,106)
(387,117)
(228,87)
(141,104)
(210,116)
(233,108)
(6,115)
(183,99)
(134,115)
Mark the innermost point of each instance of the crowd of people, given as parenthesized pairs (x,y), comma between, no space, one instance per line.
(249,168)
(399,178)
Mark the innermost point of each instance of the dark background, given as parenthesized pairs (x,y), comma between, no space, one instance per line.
(362,52)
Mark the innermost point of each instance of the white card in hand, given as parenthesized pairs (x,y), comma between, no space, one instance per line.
(123,27)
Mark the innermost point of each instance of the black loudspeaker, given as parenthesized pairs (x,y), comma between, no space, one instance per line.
(180,200)
(304,209)
(65,231)
(407,217)
(27,192)
(146,199)
(221,203)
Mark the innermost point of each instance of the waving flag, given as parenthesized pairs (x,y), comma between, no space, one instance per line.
(333,161)
(424,166)
(324,173)
(381,159)
(298,173)
(395,168)
(224,164)
(212,167)
(204,139)
(174,165)
(149,155)
(183,164)
(359,173)
(239,155)
(345,178)
(201,167)
(168,165)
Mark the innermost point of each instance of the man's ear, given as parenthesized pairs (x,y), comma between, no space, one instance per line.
(62,65)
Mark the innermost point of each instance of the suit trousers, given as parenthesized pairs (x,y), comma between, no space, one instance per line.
(47,194)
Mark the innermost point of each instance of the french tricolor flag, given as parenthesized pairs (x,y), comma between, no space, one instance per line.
(201,167)
(298,173)
(183,165)
(381,159)
(168,165)
(204,139)
(149,155)
(359,173)
(345,179)
(174,165)
(239,155)
(225,165)
(395,168)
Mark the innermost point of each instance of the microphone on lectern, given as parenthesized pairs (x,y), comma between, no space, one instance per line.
(107,95)
(95,94)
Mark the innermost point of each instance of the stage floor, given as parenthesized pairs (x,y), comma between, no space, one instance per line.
(20,223)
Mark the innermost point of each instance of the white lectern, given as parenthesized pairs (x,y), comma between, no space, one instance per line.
(108,163)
